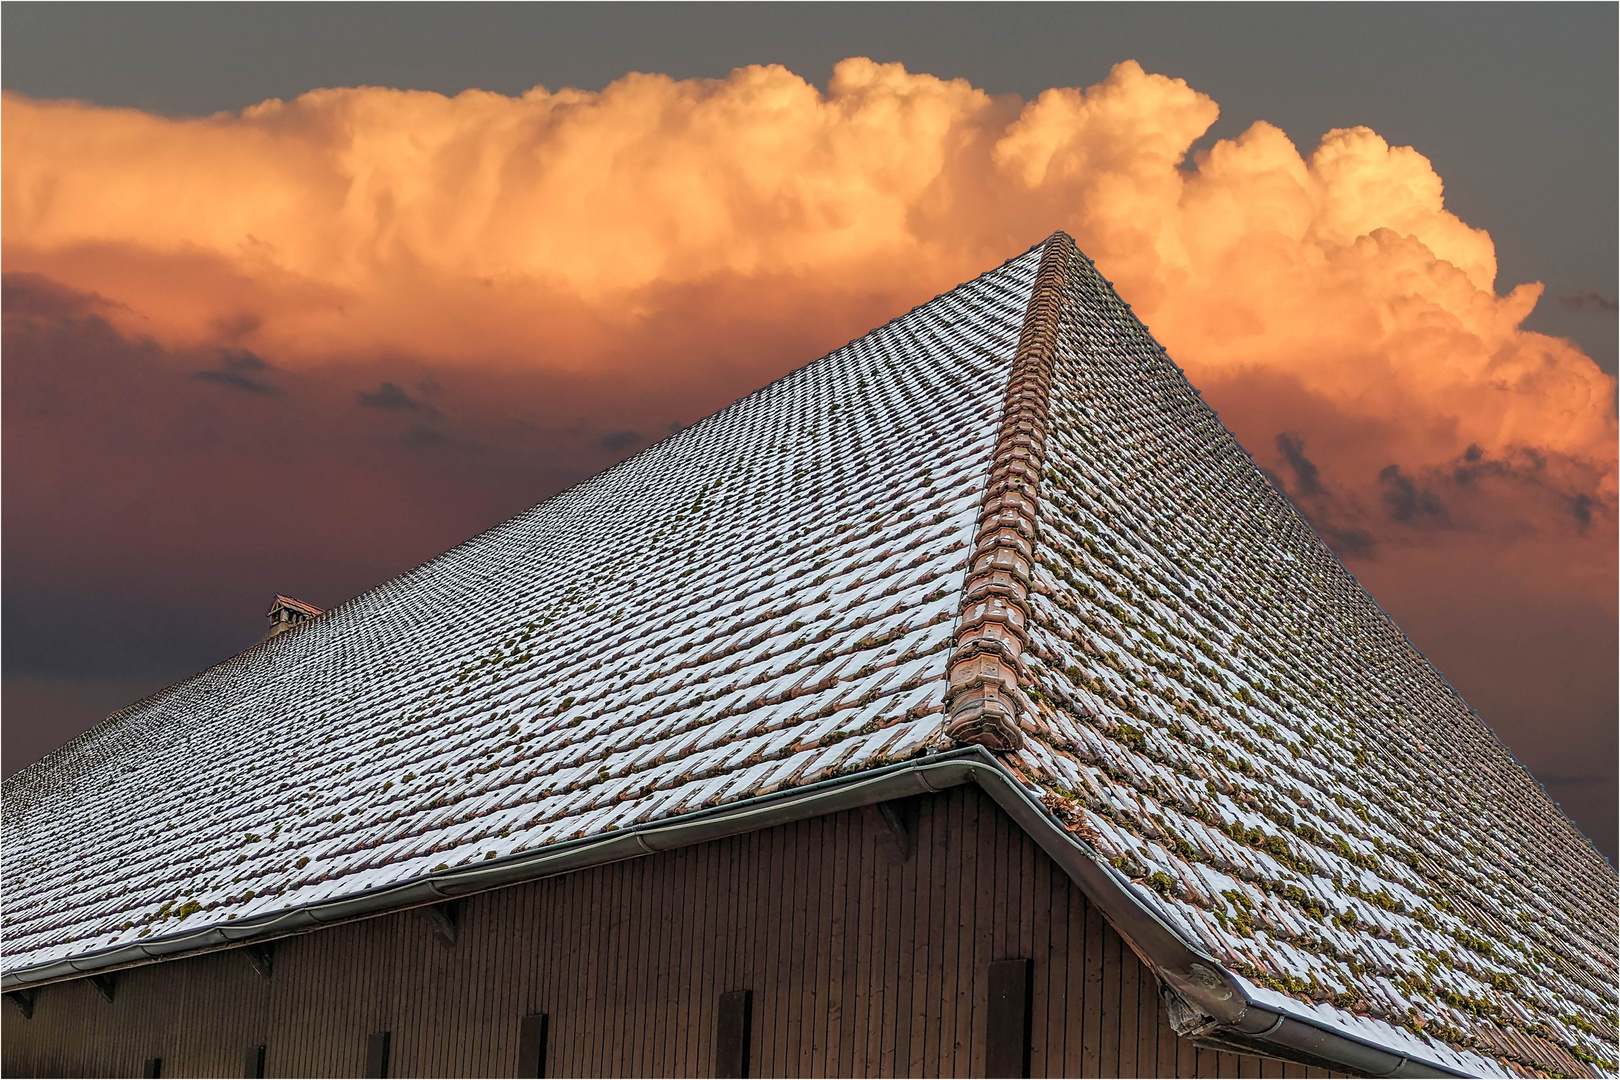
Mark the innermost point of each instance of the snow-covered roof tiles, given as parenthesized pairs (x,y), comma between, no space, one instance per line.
(1005,514)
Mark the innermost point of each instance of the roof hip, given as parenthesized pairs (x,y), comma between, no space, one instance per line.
(1005,519)
(983,698)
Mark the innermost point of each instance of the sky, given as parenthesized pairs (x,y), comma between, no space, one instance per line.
(296,297)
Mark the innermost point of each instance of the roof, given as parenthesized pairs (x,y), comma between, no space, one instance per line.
(293,604)
(1004,518)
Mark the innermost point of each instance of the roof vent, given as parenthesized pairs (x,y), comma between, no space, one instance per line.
(286,613)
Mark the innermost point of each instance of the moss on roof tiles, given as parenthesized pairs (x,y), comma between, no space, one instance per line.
(1427,873)
(769,597)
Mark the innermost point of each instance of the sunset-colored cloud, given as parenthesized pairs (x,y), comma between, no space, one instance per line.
(552,228)
(319,339)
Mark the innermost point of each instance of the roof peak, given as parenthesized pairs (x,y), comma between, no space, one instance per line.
(1004,517)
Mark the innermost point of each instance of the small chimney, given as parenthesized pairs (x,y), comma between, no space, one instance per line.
(286,613)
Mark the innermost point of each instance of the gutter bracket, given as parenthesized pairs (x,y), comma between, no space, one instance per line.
(262,955)
(106,985)
(895,819)
(24,1000)
(446,918)
(1188,1021)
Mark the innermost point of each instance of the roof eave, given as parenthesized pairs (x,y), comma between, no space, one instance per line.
(1215,1007)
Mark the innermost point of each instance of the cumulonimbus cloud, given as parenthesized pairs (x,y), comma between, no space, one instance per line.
(562,228)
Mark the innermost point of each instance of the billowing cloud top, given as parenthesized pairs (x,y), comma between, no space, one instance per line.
(691,239)
(544,229)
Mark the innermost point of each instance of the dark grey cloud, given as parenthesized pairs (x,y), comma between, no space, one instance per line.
(390,396)
(1526,468)
(1410,503)
(1581,506)
(37,295)
(1351,543)
(1307,477)
(620,440)
(420,435)
(242,360)
(233,371)
(1328,514)
(1589,300)
(386,396)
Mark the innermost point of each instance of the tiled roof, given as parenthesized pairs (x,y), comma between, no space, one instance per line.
(759,600)
(293,604)
(1216,702)
(1063,548)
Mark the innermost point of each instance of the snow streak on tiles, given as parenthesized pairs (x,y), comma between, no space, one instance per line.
(769,598)
(1249,737)
(764,599)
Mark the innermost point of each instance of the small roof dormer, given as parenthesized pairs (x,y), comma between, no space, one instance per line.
(287,612)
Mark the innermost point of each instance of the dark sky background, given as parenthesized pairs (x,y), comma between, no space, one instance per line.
(141,548)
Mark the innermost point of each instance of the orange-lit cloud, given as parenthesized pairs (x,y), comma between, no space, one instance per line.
(551,229)
(374,321)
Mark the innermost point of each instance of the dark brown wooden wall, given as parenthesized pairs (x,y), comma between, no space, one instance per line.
(860,961)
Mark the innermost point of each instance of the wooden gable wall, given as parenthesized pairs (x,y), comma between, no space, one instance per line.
(866,939)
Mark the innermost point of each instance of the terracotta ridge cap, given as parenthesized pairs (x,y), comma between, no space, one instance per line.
(982,703)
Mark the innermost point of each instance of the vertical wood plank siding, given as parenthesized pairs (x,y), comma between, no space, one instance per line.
(866,950)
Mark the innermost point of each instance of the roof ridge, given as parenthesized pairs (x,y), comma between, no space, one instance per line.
(982,703)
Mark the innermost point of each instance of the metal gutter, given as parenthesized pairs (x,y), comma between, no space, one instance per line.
(934,773)
(1205,1002)
(1214,1007)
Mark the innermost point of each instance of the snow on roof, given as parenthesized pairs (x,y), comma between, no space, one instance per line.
(765,595)
(1063,546)
(1253,739)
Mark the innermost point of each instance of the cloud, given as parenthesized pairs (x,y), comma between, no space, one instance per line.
(1409,503)
(1581,507)
(585,232)
(418,435)
(34,296)
(1307,478)
(520,285)
(156,513)
(389,396)
(620,440)
(1589,300)
(234,365)
(1340,523)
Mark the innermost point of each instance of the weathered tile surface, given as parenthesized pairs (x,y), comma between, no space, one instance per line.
(761,600)
(770,597)
(1247,734)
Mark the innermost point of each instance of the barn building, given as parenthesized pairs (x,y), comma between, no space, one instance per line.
(965,702)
